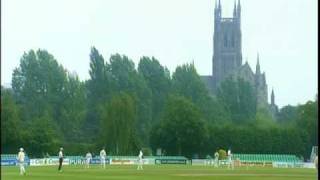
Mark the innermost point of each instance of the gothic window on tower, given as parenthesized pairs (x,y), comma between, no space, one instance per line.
(225,40)
(232,41)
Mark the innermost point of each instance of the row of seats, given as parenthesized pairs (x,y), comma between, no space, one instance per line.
(266,158)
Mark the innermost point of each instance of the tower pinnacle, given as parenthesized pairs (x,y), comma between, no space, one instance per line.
(217,10)
(272,97)
(239,10)
(258,65)
(235,9)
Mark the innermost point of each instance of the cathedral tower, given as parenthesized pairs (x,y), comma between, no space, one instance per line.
(227,59)
(227,55)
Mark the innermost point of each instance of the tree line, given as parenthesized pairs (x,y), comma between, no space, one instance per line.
(125,108)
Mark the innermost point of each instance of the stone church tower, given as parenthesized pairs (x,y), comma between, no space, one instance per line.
(227,57)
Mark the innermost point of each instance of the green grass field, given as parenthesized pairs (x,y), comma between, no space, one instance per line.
(157,172)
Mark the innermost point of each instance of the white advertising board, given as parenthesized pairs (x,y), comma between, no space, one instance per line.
(48,162)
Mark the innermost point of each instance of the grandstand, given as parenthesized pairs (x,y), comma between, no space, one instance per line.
(267,158)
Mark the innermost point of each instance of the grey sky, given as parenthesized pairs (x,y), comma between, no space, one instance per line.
(284,32)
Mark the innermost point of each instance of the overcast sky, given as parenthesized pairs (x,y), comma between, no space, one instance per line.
(284,32)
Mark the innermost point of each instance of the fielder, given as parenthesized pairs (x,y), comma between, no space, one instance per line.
(216,159)
(230,162)
(140,161)
(88,159)
(60,159)
(103,156)
(20,158)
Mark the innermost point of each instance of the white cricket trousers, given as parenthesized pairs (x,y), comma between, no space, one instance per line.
(140,162)
(88,163)
(22,169)
(103,162)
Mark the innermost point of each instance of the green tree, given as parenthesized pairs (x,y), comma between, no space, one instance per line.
(288,114)
(42,136)
(52,101)
(117,122)
(187,82)
(38,84)
(239,99)
(99,88)
(73,109)
(264,119)
(10,122)
(307,121)
(158,80)
(182,130)
(128,80)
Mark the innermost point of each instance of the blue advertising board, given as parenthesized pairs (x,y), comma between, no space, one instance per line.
(98,161)
(8,162)
(12,162)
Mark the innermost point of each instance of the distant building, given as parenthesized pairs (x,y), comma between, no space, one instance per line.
(227,58)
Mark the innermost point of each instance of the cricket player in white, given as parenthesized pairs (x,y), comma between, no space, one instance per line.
(60,159)
(216,159)
(20,159)
(88,159)
(140,161)
(230,159)
(103,156)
